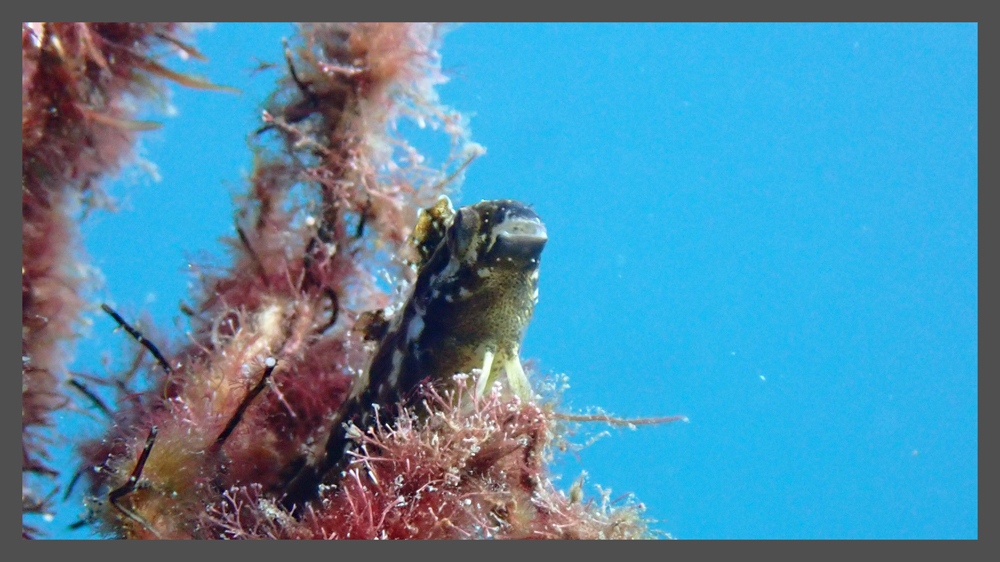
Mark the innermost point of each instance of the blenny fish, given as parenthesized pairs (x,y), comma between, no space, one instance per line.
(469,307)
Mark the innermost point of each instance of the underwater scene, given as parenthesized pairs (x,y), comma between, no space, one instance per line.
(591,281)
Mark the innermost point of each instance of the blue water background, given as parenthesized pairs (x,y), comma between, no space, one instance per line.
(771,229)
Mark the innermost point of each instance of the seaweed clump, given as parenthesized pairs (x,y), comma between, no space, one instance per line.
(80,84)
(476,468)
(232,410)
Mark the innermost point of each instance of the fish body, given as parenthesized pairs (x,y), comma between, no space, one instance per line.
(469,308)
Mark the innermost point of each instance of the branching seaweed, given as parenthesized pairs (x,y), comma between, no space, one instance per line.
(329,208)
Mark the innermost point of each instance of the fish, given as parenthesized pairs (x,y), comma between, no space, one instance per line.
(469,308)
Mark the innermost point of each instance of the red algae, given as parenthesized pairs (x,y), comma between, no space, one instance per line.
(248,397)
(475,468)
(79,82)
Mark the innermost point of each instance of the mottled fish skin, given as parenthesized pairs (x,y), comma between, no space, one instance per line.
(469,307)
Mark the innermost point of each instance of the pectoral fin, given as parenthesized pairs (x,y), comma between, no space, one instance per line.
(487,376)
(516,378)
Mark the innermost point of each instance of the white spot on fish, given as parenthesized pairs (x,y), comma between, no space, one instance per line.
(415,328)
(397,362)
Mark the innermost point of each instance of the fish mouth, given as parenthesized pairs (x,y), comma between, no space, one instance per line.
(522,231)
(520,238)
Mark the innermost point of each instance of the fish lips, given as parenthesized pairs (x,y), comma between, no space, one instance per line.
(520,239)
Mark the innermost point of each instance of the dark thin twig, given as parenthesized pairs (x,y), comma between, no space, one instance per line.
(95,399)
(129,486)
(261,272)
(307,261)
(311,99)
(138,337)
(363,218)
(238,415)
(294,112)
(334,310)
(72,483)
(291,69)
